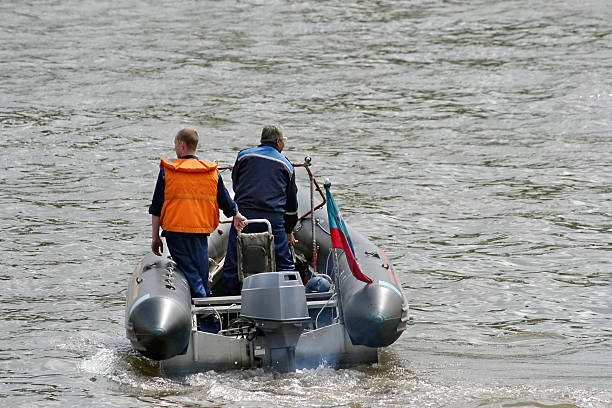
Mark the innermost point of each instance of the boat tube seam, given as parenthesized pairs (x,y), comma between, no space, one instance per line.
(139,301)
(390,286)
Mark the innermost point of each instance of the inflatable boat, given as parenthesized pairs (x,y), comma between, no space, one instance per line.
(318,314)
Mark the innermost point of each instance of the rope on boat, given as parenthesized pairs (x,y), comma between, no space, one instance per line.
(316,324)
(322,229)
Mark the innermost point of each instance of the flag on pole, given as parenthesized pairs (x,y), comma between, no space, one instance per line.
(340,236)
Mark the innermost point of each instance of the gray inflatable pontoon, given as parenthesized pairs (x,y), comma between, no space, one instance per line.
(274,323)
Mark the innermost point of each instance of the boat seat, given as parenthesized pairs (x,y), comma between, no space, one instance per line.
(256,251)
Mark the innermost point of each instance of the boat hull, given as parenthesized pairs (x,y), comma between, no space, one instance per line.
(158,309)
(341,328)
(375,314)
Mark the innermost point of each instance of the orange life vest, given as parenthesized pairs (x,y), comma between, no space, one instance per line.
(190,196)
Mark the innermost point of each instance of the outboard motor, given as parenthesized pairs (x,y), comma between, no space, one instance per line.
(276,302)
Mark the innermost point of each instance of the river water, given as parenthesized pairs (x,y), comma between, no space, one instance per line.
(469,139)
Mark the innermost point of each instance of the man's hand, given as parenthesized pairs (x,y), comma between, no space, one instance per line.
(157,246)
(240,222)
(291,239)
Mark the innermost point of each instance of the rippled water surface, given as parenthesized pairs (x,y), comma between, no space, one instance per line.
(471,140)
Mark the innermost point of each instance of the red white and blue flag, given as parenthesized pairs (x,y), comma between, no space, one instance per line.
(340,236)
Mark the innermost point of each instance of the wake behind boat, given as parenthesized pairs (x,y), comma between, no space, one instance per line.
(321,313)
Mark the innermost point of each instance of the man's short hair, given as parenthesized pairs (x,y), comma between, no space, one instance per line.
(272,132)
(189,136)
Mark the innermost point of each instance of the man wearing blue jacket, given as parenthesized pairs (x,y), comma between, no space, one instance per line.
(264,187)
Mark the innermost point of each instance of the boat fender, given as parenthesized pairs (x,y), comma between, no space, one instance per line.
(317,284)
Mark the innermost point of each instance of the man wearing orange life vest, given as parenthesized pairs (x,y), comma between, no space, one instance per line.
(186,202)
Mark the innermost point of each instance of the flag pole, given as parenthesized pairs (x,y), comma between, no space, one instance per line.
(335,268)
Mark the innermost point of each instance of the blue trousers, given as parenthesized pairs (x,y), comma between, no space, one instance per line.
(284,261)
(190,252)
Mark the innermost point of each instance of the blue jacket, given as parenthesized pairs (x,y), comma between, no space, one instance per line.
(264,180)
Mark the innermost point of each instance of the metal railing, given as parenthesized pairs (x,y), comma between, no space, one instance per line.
(314,185)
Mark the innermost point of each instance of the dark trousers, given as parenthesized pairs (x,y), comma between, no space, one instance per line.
(284,261)
(190,252)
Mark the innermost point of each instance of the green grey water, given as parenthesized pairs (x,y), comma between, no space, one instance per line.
(470,140)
